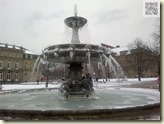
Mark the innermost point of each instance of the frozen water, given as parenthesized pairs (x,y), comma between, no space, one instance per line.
(108,99)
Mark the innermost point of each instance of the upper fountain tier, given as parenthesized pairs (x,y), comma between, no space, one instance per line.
(75,22)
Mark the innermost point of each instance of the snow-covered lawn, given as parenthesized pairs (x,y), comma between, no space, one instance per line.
(129,81)
(29,85)
(34,85)
(133,79)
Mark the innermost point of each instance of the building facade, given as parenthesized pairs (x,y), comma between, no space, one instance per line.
(16,64)
(122,55)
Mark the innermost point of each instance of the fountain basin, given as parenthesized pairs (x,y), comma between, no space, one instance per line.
(109,103)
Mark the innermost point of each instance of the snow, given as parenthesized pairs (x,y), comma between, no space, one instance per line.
(28,85)
(119,49)
(114,82)
(29,52)
(9,46)
(133,79)
(34,85)
(2,45)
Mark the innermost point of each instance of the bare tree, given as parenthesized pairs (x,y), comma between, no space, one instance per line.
(154,48)
(156,33)
(138,56)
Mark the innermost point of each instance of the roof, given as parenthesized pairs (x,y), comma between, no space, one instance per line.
(9,46)
(29,52)
(108,46)
(117,50)
(26,51)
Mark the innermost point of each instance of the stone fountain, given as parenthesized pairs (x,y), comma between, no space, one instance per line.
(76,55)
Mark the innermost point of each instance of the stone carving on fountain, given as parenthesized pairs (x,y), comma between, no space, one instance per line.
(76,54)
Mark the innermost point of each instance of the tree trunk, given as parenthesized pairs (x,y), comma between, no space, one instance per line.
(139,73)
(139,77)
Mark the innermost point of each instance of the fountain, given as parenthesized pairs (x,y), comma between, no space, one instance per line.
(77,98)
(76,55)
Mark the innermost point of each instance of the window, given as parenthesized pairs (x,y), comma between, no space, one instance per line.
(31,56)
(16,76)
(10,54)
(1,64)
(8,76)
(25,67)
(1,76)
(26,56)
(30,67)
(9,65)
(35,57)
(16,65)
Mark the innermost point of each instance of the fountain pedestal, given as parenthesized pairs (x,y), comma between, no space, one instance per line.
(76,85)
(75,71)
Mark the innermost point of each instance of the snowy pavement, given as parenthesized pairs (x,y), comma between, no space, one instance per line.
(100,83)
(30,85)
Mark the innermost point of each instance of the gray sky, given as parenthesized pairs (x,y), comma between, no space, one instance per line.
(36,24)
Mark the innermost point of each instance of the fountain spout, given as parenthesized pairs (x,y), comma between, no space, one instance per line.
(33,75)
(115,66)
(75,10)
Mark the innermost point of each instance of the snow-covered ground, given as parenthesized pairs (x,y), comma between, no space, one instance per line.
(133,79)
(100,83)
(29,85)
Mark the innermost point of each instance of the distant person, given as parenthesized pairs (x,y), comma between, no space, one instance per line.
(37,81)
(0,85)
(47,79)
(97,78)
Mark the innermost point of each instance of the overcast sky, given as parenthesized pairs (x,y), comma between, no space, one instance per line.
(36,24)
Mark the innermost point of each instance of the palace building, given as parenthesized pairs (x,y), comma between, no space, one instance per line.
(16,64)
